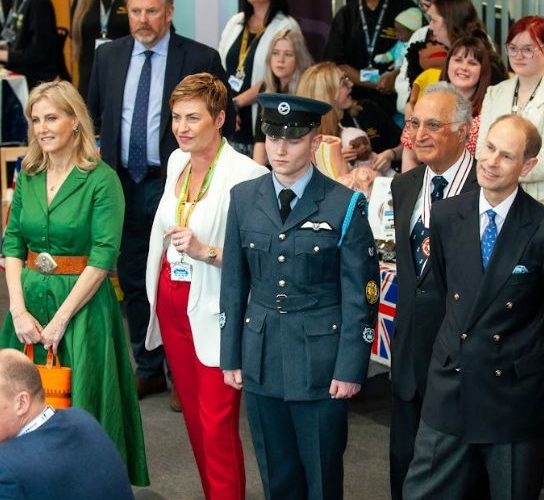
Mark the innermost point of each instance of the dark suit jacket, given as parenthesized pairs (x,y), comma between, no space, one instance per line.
(68,457)
(325,331)
(486,377)
(107,85)
(419,309)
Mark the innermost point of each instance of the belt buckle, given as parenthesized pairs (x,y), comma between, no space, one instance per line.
(45,263)
(278,302)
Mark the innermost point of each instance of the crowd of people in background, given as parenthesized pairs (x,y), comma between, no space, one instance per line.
(414,92)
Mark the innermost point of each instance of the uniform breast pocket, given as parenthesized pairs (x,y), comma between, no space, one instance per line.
(256,245)
(316,257)
(322,334)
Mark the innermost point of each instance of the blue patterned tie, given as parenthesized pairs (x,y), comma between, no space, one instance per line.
(419,238)
(489,238)
(137,148)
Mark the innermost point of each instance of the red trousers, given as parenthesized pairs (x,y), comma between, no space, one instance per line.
(211,409)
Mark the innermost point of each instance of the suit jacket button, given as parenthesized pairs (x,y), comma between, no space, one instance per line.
(497,338)
(498,373)
(509,305)
(281,259)
(281,283)
(282,236)
(334,328)
(456,296)
(464,336)
(248,320)
(252,245)
(316,249)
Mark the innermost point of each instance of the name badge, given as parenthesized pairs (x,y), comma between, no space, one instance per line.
(235,83)
(371,75)
(181,271)
(100,41)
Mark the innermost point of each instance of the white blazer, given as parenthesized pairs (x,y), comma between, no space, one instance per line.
(498,102)
(209,227)
(232,30)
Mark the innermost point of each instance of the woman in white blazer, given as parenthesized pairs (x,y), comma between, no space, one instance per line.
(245,63)
(184,274)
(523,94)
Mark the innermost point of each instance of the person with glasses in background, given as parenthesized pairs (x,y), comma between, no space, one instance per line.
(522,95)
(439,129)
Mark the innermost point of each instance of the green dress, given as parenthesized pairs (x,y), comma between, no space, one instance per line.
(84,218)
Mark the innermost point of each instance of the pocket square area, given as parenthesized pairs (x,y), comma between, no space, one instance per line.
(519,269)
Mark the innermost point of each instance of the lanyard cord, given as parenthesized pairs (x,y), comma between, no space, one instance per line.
(104,19)
(515,107)
(185,207)
(245,48)
(371,44)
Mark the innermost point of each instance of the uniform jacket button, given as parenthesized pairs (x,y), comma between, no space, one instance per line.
(464,336)
(248,320)
(316,249)
(281,283)
(498,373)
(456,296)
(509,305)
(281,259)
(252,245)
(334,328)
(497,338)
(282,236)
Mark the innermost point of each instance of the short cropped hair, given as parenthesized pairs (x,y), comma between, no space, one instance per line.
(18,373)
(463,108)
(203,86)
(533,139)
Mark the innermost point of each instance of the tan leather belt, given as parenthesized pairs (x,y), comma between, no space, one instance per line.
(59,264)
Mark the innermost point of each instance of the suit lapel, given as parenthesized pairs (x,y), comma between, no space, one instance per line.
(268,200)
(73,182)
(175,60)
(518,228)
(307,205)
(119,70)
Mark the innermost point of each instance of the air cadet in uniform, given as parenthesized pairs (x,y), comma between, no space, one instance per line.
(300,249)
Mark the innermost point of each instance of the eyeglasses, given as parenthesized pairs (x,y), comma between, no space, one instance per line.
(413,125)
(527,52)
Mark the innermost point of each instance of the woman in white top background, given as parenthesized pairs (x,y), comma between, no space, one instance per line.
(184,274)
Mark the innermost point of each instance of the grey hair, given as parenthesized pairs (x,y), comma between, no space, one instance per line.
(463,107)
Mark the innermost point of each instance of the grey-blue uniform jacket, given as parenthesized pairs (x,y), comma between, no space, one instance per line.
(312,305)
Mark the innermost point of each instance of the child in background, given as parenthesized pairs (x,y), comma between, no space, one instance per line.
(406,23)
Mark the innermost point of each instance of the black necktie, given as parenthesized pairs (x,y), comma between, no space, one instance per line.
(420,234)
(285,196)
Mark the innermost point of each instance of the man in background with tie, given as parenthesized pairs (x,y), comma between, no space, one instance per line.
(485,393)
(129,92)
(438,127)
(300,248)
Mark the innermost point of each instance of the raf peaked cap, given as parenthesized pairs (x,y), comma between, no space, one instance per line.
(290,116)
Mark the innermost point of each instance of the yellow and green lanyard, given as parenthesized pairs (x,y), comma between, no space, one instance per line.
(185,207)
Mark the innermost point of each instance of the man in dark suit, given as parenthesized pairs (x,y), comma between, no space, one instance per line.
(485,391)
(48,455)
(438,129)
(300,247)
(129,92)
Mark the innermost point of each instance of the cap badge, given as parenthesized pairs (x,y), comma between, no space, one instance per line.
(284,108)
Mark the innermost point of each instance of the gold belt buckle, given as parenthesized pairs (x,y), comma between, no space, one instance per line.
(45,263)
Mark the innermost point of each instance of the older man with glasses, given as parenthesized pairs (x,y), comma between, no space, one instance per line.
(438,128)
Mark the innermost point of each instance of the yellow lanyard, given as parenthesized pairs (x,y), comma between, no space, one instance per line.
(244,49)
(185,207)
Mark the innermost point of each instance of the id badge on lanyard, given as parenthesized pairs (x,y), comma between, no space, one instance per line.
(371,74)
(104,19)
(181,271)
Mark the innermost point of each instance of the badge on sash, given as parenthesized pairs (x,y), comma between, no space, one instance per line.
(372,292)
(370,74)
(100,41)
(181,271)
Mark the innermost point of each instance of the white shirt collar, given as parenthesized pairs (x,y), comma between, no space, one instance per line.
(502,208)
(161,47)
(37,421)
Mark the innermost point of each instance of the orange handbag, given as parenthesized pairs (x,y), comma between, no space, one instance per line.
(56,379)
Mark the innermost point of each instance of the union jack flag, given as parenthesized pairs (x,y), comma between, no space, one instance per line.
(381,347)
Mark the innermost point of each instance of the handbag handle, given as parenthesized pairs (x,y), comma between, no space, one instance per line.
(52,359)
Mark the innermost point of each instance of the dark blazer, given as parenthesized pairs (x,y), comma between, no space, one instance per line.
(326,331)
(419,309)
(68,457)
(486,377)
(35,49)
(107,85)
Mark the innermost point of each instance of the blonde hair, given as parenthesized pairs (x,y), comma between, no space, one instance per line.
(322,82)
(66,99)
(303,59)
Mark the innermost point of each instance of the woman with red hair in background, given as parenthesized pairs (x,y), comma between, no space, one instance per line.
(522,95)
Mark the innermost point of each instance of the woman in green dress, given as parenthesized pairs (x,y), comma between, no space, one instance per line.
(67,211)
